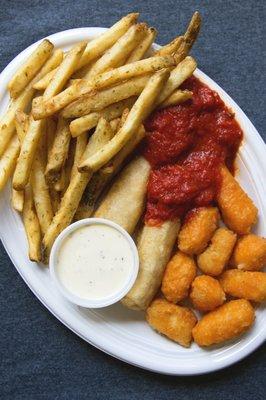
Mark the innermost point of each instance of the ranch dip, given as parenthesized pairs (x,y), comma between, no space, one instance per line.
(94,261)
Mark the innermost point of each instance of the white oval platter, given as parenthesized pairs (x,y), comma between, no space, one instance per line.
(115,330)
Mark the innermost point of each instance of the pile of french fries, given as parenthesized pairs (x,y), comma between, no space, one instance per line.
(76,116)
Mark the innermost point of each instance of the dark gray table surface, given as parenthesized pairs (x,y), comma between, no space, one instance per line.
(40,358)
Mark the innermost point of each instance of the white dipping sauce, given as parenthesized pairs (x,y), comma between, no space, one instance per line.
(94,261)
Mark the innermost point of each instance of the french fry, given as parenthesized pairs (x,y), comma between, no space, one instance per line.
(177,76)
(100,81)
(30,68)
(27,154)
(65,70)
(81,143)
(17,199)
(7,123)
(45,81)
(55,199)
(8,161)
(41,195)
(96,101)
(71,198)
(192,32)
(138,113)
(117,54)
(140,50)
(177,97)
(21,123)
(32,226)
(114,164)
(83,124)
(58,152)
(114,124)
(65,176)
(100,44)
(128,71)
(170,48)
(50,134)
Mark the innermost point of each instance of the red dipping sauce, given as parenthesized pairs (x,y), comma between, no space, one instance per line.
(186,145)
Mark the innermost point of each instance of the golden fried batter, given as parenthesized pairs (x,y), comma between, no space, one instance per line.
(216,256)
(250,253)
(197,230)
(178,276)
(171,320)
(238,211)
(250,285)
(226,322)
(206,293)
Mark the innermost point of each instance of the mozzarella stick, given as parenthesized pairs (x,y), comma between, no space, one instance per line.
(125,201)
(249,253)
(155,246)
(238,211)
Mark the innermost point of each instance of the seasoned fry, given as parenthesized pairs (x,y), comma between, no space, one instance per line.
(32,226)
(179,274)
(171,320)
(214,259)
(8,161)
(50,134)
(238,211)
(170,48)
(119,52)
(102,177)
(97,101)
(198,229)
(177,76)
(177,97)
(249,253)
(226,322)
(83,124)
(45,81)
(128,71)
(7,123)
(141,49)
(100,81)
(249,285)
(155,246)
(138,113)
(17,200)
(114,124)
(206,293)
(192,31)
(27,153)
(64,72)
(21,124)
(129,188)
(55,199)
(30,68)
(40,191)
(71,198)
(81,143)
(97,46)
(58,152)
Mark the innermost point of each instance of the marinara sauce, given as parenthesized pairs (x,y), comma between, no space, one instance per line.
(186,145)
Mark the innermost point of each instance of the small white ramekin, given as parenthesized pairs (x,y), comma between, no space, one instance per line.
(105,301)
